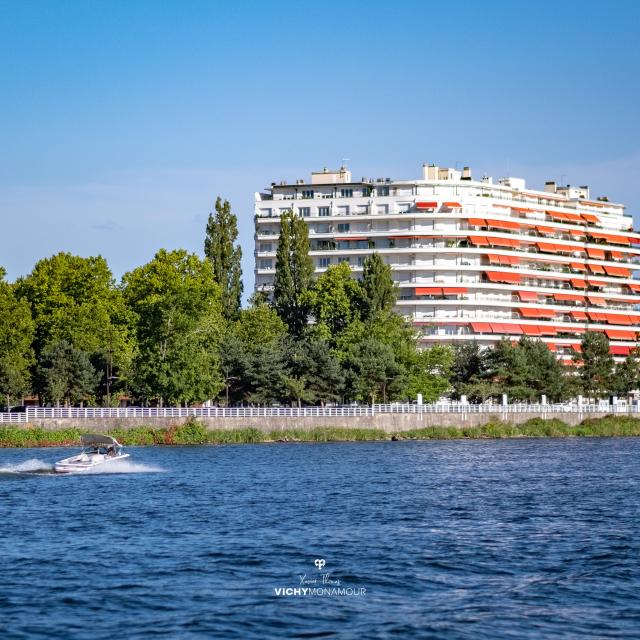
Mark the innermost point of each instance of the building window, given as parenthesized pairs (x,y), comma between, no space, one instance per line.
(382,208)
(266,263)
(343,211)
(323,263)
(383,191)
(343,227)
(403,207)
(304,212)
(346,193)
(366,192)
(323,211)
(266,246)
(307,194)
(360,259)
(265,213)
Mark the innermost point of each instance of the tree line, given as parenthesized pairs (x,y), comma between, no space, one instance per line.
(173,332)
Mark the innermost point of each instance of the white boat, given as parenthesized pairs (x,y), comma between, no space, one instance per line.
(97,450)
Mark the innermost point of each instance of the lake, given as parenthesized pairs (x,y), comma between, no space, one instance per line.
(435,539)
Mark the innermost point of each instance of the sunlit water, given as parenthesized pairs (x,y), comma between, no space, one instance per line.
(459,539)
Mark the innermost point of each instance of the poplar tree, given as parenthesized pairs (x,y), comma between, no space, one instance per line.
(225,256)
(596,372)
(378,291)
(294,272)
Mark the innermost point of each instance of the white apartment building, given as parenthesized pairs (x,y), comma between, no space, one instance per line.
(473,259)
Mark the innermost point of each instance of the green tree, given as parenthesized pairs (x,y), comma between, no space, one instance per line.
(225,256)
(430,372)
(294,272)
(373,374)
(75,299)
(66,373)
(234,366)
(16,336)
(333,299)
(377,288)
(545,374)
(596,370)
(268,375)
(627,374)
(258,325)
(469,367)
(179,325)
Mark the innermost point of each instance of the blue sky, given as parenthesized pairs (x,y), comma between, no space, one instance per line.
(121,121)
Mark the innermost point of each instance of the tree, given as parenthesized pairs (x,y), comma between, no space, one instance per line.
(545,374)
(225,256)
(66,374)
(16,336)
(234,365)
(75,299)
(268,373)
(468,367)
(333,299)
(259,325)
(373,372)
(294,272)
(596,372)
(179,326)
(627,377)
(429,372)
(377,288)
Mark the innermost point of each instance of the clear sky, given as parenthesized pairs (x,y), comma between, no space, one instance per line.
(121,121)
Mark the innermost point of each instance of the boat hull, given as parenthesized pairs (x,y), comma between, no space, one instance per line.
(77,465)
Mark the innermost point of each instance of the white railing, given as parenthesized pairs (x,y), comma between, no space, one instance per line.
(39,413)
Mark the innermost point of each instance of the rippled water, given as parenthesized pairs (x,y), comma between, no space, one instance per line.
(457,539)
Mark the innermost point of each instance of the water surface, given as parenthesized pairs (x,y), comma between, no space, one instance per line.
(449,539)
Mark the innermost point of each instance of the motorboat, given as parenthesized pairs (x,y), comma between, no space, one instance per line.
(97,450)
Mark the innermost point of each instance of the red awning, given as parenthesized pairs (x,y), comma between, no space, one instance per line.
(576,233)
(531,330)
(479,241)
(620,334)
(477,222)
(529,313)
(599,302)
(452,205)
(546,246)
(578,284)
(579,315)
(351,238)
(503,224)
(589,217)
(481,327)
(563,215)
(596,268)
(617,254)
(609,237)
(595,253)
(578,266)
(428,291)
(634,287)
(618,318)
(619,350)
(426,205)
(568,297)
(509,278)
(618,271)
(542,229)
(503,242)
(528,296)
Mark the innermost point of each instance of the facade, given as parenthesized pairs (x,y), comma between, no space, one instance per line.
(473,259)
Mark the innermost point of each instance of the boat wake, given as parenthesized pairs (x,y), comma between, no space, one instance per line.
(40,467)
(32,466)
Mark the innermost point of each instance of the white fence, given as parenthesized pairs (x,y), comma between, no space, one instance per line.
(39,413)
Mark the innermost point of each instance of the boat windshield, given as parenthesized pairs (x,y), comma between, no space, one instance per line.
(100,450)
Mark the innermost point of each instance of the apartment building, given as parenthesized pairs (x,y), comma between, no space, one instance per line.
(473,259)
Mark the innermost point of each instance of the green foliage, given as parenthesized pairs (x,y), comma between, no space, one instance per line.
(627,374)
(179,325)
(225,256)
(333,299)
(378,292)
(259,325)
(429,373)
(294,273)
(66,373)
(596,372)
(16,336)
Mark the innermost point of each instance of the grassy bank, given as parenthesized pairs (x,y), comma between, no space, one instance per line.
(194,432)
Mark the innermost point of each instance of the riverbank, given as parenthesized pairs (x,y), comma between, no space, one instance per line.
(194,432)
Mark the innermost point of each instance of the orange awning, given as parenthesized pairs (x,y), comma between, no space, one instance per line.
(589,217)
(428,291)
(481,327)
(477,222)
(543,229)
(452,205)
(351,238)
(609,237)
(634,287)
(619,350)
(619,334)
(618,271)
(576,233)
(509,278)
(578,266)
(503,242)
(521,209)
(578,284)
(426,205)
(529,313)
(494,259)
(479,241)
(599,302)
(565,297)
(503,224)
(528,296)
(595,253)
(596,268)
(615,318)
(617,254)
(563,215)
(531,330)
(579,315)
(546,246)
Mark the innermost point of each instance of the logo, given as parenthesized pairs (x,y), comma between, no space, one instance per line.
(320,584)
